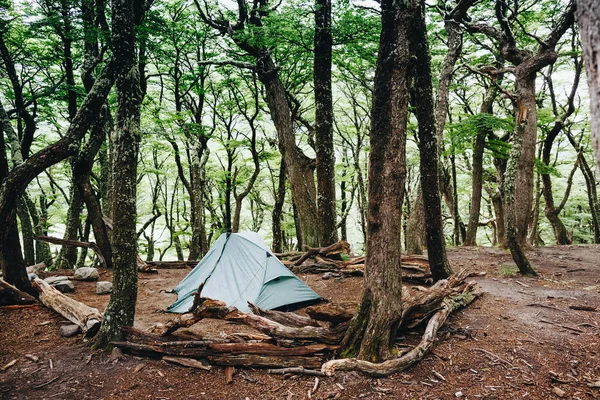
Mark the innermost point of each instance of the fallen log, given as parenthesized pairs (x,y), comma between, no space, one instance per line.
(11,296)
(208,308)
(87,318)
(181,264)
(389,367)
(187,362)
(333,313)
(284,318)
(341,247)
(296,371)
(36,268)
(76,243)
(238,354)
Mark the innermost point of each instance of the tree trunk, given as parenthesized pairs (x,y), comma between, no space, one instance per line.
(299,168)
(42,249)
(277,214)
(588,17)
(415,231)
(422,100)
(199,242)
(509,196)
(26,232)
(68,255)
(120,310)
(324,124)
(525,82)
(477,174)
(377,320)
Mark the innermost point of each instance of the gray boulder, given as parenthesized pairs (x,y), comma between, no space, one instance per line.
(61,283)
(69,330)
(104,287)
(86,274)
(64,286)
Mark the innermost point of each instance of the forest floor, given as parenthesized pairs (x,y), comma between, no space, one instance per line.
(520,340)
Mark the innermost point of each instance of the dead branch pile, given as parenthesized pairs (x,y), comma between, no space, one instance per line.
(336,259)
(287,339)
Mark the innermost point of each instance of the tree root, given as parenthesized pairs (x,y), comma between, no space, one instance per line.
(388,367)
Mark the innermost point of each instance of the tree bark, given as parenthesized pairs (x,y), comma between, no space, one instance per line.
(277,214)
(324,124)
(422,100)
(588,18)
(374,326)
(120,310)
(477,174)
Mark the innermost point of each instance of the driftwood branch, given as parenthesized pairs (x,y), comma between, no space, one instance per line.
(77,243)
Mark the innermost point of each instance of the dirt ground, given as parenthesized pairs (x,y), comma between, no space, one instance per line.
(520,340)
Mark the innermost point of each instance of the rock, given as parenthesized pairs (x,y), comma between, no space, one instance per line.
(61,283)
(116,354)
(53,279)
(558,391)
(69,330)
(326,276)
(458,394)
(103,287)
(86,274)
(64,286)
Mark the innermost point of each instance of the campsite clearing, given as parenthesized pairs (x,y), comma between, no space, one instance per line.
(515,342)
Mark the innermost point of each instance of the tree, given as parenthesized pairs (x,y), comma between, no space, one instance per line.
(324,124)
(120,310)
(421,94)
(299,167)
(588,17)
(377,319)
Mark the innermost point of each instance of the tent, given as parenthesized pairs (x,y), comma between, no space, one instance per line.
(239,268)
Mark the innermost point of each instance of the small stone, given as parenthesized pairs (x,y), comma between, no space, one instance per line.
(326,276)
(458,394)
(103,287)
(64,286)
(116,353)
(32,357)
(558,391)
(69,330)
(339,280)
(86,274)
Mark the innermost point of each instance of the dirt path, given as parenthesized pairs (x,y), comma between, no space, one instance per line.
(520,340)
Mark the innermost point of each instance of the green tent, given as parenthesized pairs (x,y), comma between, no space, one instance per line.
(239,268)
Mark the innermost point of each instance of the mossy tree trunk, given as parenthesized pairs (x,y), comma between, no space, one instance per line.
(120,310)
(376,322)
